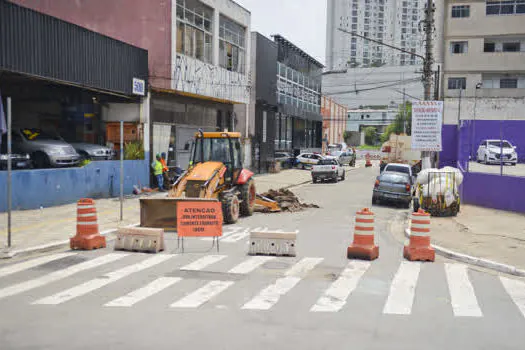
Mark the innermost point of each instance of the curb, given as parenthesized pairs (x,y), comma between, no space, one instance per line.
(472,260)
(7,254)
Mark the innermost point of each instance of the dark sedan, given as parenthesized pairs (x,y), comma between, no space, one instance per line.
(394,188)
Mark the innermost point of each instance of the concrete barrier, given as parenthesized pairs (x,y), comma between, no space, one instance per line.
(140,239)
(273,243)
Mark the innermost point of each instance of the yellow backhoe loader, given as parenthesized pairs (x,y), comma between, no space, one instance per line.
(215,172)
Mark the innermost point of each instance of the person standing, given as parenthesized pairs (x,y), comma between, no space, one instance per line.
(157,171)
(165,170)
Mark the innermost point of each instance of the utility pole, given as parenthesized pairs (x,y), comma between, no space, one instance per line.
(428,29)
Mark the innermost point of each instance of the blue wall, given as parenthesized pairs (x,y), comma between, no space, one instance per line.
(51,187)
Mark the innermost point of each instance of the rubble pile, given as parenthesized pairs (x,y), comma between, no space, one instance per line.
(287,200)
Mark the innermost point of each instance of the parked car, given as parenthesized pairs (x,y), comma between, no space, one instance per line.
(344,157)
(328,169)
(45,150)
(92,151)
(286,159)
(395,187)
(18,161)
(398,168)
(490,152)
(305,159)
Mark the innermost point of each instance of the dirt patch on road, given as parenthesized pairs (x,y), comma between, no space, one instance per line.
(287,200)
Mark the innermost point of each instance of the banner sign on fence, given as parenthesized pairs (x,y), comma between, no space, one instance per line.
(427,117)
(199,219)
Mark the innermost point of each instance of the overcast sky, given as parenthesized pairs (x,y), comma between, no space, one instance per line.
(303,22)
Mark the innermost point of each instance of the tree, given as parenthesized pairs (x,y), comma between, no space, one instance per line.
(401,124)
(370,135)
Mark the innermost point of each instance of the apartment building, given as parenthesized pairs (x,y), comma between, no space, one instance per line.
(484,59)
(391,21)
(483,85)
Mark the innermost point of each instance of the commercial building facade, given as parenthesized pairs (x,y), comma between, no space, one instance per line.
(284,111)
(358,119)
(334,121)
(66,82)
(198,62)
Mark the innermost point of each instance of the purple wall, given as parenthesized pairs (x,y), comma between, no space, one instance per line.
(449,137)
(512,131)
(494,191)
(486,190)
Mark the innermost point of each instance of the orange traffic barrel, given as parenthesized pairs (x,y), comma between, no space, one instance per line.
(88,236)
(363,246)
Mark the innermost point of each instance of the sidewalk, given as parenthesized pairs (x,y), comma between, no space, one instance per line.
(45,226)
(485,233)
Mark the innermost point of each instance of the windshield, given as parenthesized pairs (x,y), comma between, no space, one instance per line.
(504,144)
(395,178)
(217,150)
(336,153)
(37,135)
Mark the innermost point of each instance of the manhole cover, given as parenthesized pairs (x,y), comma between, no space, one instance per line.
(276,265)
(62,263)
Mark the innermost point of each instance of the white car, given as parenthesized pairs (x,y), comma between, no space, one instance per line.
(343,157)
(328,169)
(490,152)
(305,159)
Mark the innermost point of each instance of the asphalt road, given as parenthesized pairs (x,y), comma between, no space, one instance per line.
(205,299)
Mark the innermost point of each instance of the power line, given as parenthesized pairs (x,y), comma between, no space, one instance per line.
(368,89)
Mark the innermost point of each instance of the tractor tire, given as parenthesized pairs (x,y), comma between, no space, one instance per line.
(230,209)
(248,194)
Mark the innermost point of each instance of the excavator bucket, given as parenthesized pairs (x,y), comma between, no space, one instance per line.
(271,205)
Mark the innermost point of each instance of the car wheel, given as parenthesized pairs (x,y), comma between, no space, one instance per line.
(486,161)
(407,205)
(314,180)
(335,179)
(41,160)
(343,177)
(374,200)
(302,166)
(513,164)
(249,194)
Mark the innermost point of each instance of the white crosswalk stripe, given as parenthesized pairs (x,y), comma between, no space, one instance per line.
(516,291)
(250,264)
(100,282)
(59,275)
(402,290)
(26,265)
(228,231)
(335,296)
(463,298)
(203,294)
(147,291)
(271,295)
(203,262)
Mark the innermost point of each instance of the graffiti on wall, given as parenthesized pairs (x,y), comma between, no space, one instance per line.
(193,76)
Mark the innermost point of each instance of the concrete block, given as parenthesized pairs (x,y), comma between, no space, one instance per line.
(140,239)
(273,243)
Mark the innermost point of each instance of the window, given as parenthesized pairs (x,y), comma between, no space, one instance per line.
(457,83)
(457,47)
(509,7)
(194,26)
(489,47)
(231,45)
(462,11)
(508,83)
(511,47)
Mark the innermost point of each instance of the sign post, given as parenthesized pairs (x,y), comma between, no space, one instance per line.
(427,119)
(199,219)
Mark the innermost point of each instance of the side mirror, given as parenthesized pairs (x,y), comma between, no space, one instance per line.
(514,147)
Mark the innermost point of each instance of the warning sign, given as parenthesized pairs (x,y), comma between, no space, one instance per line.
(199,219)
(427,117)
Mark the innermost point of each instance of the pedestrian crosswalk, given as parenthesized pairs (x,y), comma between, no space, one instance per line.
(234,234)
(275,278)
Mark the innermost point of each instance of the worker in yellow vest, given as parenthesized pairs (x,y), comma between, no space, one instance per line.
(157,171)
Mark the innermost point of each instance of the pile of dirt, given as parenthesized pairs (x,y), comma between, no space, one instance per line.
(287,200)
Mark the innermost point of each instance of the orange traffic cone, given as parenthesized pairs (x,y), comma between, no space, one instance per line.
(88,236)
(363,246)
(368,162)
(419,248)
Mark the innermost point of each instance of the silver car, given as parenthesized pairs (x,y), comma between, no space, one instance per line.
(93,152)
(45,150)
